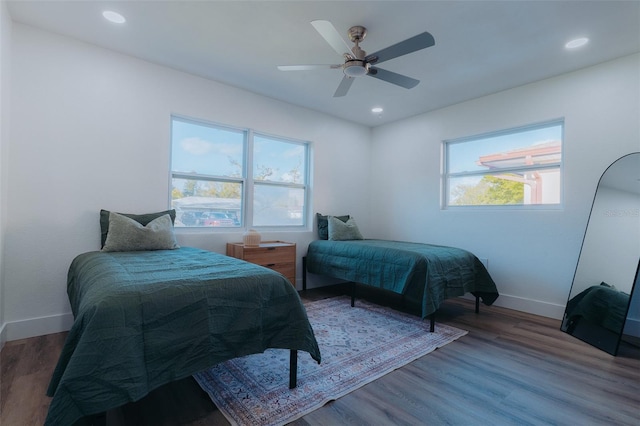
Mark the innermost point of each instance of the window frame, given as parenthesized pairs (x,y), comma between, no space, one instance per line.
(246,180)
(251,181)
(446,175)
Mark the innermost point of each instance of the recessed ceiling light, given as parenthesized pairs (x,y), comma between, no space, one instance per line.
(114,17)
(575,43)
(376,110)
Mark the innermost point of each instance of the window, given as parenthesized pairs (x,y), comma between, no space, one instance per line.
(516,167)
(224,177)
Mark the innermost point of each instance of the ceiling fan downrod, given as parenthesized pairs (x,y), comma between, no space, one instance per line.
(355,65)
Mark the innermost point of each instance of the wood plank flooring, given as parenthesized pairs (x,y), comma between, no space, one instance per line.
(511,369)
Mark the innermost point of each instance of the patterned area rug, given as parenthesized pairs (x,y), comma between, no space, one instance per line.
(358,345)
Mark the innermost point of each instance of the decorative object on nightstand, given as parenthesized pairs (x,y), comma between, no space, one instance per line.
(251,238)
(277,255)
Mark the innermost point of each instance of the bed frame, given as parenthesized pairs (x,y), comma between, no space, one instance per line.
(353,287)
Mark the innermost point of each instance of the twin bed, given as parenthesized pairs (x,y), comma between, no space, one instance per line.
(160,313)
(147,317)
(424,274)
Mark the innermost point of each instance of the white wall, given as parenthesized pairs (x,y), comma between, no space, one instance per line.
(5,70)
(532,254)
(90,129)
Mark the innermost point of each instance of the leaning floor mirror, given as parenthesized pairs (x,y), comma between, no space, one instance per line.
(602,307)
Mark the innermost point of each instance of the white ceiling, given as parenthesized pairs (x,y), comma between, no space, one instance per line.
(482,47)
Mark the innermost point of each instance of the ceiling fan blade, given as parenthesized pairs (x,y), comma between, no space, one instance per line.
(307,67)
(415,43)
(332,36)
(344,86)
(393,78)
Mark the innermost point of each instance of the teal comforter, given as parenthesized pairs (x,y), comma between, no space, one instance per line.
(143,319)
(601,305)
(424,274)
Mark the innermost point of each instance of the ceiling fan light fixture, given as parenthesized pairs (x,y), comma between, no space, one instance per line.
(355,68)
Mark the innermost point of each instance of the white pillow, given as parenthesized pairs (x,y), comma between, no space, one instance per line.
(126,234)
(340,231)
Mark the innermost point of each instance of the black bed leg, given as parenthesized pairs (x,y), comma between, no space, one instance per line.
(353,294)
(432,322)
(293,369)
(477,304)
(304,273)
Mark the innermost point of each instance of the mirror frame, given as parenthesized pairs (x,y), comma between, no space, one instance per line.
(606,341)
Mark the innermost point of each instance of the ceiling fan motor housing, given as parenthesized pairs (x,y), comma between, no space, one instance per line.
(356,64)
(355,68)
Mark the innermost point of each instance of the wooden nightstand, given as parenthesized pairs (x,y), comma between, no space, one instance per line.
(277,255)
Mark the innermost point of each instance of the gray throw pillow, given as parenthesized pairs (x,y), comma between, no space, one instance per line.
(323,224)
(126,234)
(340,231)
(141,218)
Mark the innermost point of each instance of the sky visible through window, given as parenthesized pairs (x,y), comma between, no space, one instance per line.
(206,150)
(466,155)
(218,152)
(285,159)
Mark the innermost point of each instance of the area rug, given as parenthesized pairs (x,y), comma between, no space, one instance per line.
(358,345)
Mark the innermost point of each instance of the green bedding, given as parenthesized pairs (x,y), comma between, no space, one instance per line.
(424,274)
(600,305)
(143,319)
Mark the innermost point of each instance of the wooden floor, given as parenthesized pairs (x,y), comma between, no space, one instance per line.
(511,369)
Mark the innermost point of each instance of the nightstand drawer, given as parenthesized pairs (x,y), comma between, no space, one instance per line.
(268,255)
(286,269)
(277,255)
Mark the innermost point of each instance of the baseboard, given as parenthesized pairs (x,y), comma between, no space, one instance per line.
(530,306)
(536,307)
(23,329)
(317,281)
(632,327)
(3,335)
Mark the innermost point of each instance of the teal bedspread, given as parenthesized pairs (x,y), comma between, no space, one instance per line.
(143,319)
(424,274)
(601,305)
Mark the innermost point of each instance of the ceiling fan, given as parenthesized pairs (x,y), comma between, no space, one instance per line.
(356,61)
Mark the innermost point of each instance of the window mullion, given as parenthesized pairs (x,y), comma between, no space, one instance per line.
(208,178)
(505,170)
(248,180)
(282,184)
